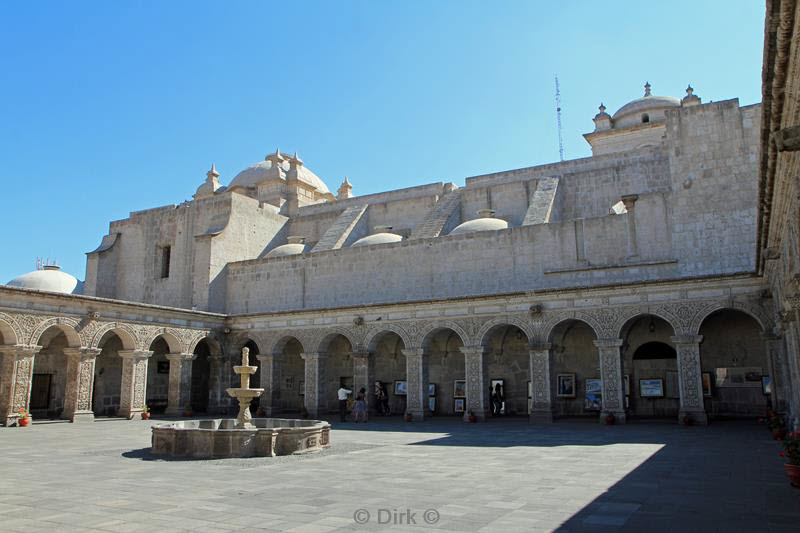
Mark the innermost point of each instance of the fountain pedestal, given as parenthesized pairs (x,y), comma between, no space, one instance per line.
(244,394)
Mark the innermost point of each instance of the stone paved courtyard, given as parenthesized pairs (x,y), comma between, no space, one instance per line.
(498,476)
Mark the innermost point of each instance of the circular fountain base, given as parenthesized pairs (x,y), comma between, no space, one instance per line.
(219,438)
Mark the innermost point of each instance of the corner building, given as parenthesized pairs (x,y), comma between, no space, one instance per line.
(623,283)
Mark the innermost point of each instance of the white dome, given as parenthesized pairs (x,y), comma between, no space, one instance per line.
(480,224)
(255,174)
(288,249)
(646,103)
(377,238)
(50,279)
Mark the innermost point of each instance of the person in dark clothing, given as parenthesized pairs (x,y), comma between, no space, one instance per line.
(342,394)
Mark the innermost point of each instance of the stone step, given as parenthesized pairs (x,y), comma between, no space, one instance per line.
(337,234)
(541,204)
(436,220)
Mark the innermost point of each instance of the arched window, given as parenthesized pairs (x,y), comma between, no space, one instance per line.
(645,118)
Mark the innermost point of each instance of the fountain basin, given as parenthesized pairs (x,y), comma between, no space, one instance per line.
(219,438)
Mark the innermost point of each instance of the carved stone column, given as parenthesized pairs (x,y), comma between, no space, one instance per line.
(270,382)
(416,382)
(777,369)
(16,372)
(216,385)
(133,390)
(80,381)
(611,375)
(477,377)
(690,380)
(364,376)
(542,390)
(179,393)
(314,399)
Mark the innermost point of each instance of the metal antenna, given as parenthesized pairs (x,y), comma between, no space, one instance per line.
(558,115)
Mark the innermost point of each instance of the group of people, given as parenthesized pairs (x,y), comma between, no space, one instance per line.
(359,406)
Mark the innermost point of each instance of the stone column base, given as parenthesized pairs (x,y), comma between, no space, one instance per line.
(698,418)
(82,416)
(480,415)
(417,415)
(619,417)
(11,420)
(541,417)
(130,414)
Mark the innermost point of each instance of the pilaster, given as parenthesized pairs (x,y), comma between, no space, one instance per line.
(80,380)
(16,372)
(690,382)
(314,399)
(777,370)
(270,379)
(364,376)
(180,383)
(611,375)
(416,382)
(477,378)
(133,389)
(542,390)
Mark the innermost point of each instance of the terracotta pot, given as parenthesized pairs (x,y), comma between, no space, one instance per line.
(23,422)
(473,419)
(793,471)
(610,419)
(408,417)
(778,434)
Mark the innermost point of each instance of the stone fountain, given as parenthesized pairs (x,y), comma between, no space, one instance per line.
(243,436)
(244,394)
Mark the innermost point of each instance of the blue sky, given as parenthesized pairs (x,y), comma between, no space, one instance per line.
(111,107)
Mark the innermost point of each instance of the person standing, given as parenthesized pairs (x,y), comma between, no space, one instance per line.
(360,409)
(342,394)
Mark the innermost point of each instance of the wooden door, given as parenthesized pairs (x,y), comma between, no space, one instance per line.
(40,392)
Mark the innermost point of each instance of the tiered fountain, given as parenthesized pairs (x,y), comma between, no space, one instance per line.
(243,436)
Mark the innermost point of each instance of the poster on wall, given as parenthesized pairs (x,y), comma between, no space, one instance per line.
(432,404)
(458,405)
(766,385)
(741,376)
(565,386)
(301,387)
(400,388)
(459,388)
(431,389)
(651,388)
(706,379)
(593,394)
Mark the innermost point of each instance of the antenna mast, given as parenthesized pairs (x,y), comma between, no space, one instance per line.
(558,115)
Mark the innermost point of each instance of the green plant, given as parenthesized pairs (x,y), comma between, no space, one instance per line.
(23,413)
(145,409)
(791,448)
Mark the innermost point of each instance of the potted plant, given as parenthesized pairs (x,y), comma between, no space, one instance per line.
(145,413)
(408,417)
(610,419)
(791,452)
(24,418)
(777,426)
(472,418)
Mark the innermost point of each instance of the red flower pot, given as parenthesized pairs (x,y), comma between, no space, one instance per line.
(23,422)
(610,419)
(145,416)
(408,417)
(473,419)
(793,471)
(778,434)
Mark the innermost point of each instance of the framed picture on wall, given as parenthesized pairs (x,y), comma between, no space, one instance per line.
(565,386)
(460,388)
(400,388)
(706,379)
(593,390)
(162,367)
(766,385)
(651,388)
(432,404)
(431,389)
(458,405)
(301,387)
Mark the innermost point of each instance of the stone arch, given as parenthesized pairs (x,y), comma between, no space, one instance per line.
(434,327)
(126,335)
(628,318)
(214,345)
(375,334)
(277,344)
(10,334)
(174,343)
(488,328)
(762,321)
(324,339)
(551,326)
(68,326)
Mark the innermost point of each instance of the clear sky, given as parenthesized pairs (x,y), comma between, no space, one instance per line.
(112,107)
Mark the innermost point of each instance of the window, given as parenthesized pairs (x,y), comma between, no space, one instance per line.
(645,118)
(165,255)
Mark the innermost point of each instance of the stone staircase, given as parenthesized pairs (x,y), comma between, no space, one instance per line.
(337,234)
(541,205)
(437,218)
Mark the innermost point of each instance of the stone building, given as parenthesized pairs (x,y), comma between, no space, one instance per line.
(625,283)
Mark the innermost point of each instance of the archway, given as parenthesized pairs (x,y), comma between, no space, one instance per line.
(508,355)
(49,383)
(107,376)
(389,369)
(338,372)
(158,376)
(201,377)
(576,385)
(649,362)
(291,377)
(446,371)
(733,360)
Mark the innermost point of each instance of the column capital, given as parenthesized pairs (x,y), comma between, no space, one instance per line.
(180,357)
(472,350)
(83,353)
(265,357)
(308,356)
(686,339)
(540,347)
(413,352)
(608,343)
(134,354)
(19,350)
(360,354)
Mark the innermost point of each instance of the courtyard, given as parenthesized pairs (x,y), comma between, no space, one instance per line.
(440,475)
